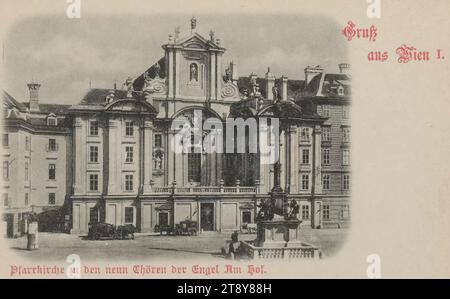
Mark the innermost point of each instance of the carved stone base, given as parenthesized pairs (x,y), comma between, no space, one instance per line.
(278,233)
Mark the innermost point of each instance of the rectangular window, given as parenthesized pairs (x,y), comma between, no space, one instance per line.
(93,154)
(158,140)
(27,143)
(305,212)
(93,215)
(345,112)
(51,171)
(51,121)
(194,167)
(304,136)
(246,217)
(93,182)
(305,182)
(129,129)
(26,171)
(326,134)
(5,170)
(5,200)
(305,156)
(326,156)
(129,154)
(345,212)
(5,140)
(93,128)
(326,181)
(52,147)
(346,134)
(326,212)
(27,200)
(129,182)
(325,110)
(51,198)
(129,215)
(346,183)
(345,157)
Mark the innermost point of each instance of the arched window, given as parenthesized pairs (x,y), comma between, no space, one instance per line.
(195,159)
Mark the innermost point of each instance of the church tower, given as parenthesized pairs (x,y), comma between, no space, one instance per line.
(193,66)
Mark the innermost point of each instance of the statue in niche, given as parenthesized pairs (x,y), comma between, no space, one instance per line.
(193,72)
(228,75)
(157,160)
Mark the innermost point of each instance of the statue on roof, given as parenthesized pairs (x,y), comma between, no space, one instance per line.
(129,87)
(275,92)
(211,35)
(157,69)
(193,24)
(254,86)
(177,33)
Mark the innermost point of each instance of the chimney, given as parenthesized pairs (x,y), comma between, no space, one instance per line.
(34,96)
(270,82)
(344,68)
(284,81)
(311,72)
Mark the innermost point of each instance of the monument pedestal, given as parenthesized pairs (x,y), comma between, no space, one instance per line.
(278,233)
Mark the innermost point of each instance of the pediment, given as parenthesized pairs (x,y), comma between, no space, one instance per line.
(195,43)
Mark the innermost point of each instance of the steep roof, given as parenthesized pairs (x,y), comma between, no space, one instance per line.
(10,102)
(97,96)
(58,109)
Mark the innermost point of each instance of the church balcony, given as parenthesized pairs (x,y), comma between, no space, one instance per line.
(204,190)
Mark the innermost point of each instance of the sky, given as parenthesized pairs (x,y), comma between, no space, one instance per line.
(65,55)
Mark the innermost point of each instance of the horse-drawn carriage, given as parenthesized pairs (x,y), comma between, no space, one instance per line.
(186,227)
(102,230)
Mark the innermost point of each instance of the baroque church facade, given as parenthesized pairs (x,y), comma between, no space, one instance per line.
(114,162)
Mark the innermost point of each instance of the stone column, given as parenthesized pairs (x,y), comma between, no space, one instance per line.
(270,82)
(170,158)
(114,157)
(169,73)
(218,74)
(284,81)
(176,74)
(148,155)
(212,76)
(79,168)
(317,160)
(293,159)
(283,157)
(317,177)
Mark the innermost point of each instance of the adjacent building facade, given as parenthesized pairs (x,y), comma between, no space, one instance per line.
(111,157)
